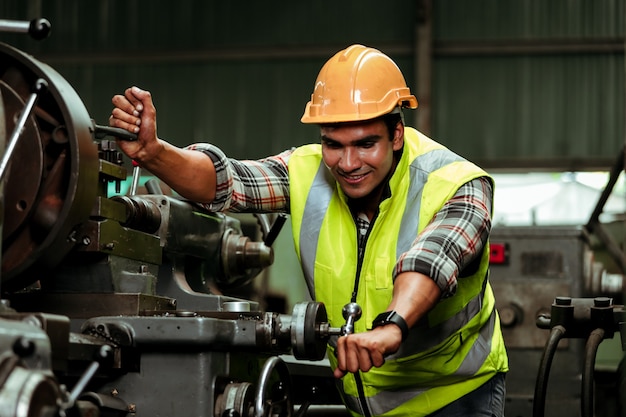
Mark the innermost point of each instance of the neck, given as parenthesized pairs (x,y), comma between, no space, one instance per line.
(367,205)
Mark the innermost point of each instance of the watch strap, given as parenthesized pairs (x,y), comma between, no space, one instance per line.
(391,317)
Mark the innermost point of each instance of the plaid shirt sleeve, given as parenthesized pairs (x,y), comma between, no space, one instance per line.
(455,237)
(259,186)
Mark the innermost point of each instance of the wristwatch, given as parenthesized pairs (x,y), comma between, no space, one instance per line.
(391,317)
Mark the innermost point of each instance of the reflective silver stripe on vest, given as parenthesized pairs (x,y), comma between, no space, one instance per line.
(386,401)
(315,209)
(421,337)
(317,202)
(419,170)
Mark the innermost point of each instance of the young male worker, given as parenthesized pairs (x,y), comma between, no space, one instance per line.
(382,216)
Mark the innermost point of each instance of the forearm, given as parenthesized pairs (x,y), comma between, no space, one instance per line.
(190,173)
(456,237)
(414,294)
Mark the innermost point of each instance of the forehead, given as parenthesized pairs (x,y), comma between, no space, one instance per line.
(354,131)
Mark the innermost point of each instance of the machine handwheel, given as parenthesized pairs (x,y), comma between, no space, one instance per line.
(305,323)
(274,399)
(236,400)
(52,181)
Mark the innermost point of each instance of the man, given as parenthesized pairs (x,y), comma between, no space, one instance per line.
(382,216)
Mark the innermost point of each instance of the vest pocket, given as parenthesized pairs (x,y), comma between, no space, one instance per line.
(382,273)
(332,290)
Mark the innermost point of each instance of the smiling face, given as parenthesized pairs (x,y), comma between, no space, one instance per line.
(361,157)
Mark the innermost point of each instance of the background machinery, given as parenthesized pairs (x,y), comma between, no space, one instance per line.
(560,293)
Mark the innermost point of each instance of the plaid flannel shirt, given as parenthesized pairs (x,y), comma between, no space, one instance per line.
(454,238)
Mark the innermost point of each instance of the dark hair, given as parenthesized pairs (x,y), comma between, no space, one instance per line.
(391,120)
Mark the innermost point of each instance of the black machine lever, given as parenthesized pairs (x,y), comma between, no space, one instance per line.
(101,132)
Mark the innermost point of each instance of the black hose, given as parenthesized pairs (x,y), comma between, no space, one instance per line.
(591,348)
(541,386)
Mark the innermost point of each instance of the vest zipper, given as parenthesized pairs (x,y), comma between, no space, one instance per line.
(359,266)
(360,257)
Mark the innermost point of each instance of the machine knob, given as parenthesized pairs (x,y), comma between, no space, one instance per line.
(351,312)
(511,315)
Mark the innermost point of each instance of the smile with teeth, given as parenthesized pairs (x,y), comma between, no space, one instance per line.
(353,178)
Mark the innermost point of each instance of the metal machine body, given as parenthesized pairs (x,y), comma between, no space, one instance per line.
(530,266)
(118,305)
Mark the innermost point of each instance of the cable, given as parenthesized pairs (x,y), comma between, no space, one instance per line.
(591,348)
(541,386)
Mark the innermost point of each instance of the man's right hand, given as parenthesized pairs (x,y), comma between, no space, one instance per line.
(188,172)
(134,111)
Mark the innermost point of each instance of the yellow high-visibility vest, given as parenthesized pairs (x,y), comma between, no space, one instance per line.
(454,349)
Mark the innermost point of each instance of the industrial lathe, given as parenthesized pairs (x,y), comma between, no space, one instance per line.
(112,305)
(123,304)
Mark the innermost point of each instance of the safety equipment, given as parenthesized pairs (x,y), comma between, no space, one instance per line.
(459,345)
(357,83)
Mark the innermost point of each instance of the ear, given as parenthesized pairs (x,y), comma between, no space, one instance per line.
(398,137)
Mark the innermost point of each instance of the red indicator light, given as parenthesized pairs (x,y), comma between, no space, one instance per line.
(498,253)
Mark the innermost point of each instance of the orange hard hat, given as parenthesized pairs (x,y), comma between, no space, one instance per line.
(357,83)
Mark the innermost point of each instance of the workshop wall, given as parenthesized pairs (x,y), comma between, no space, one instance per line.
(515,84)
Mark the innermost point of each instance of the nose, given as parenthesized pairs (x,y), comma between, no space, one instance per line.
(350,160)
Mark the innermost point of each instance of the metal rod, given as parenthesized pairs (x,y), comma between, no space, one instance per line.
(14,26)
(40,86)
(136,175)
(618,166)
(611,246)
(82,383)
(102,354)
(594,226)
(38,28)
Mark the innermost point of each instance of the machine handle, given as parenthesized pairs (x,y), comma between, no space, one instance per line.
(351,313)
(274,230)
(101,355)
(38,29)
(100,132)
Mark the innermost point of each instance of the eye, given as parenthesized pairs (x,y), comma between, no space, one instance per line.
(331,145)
